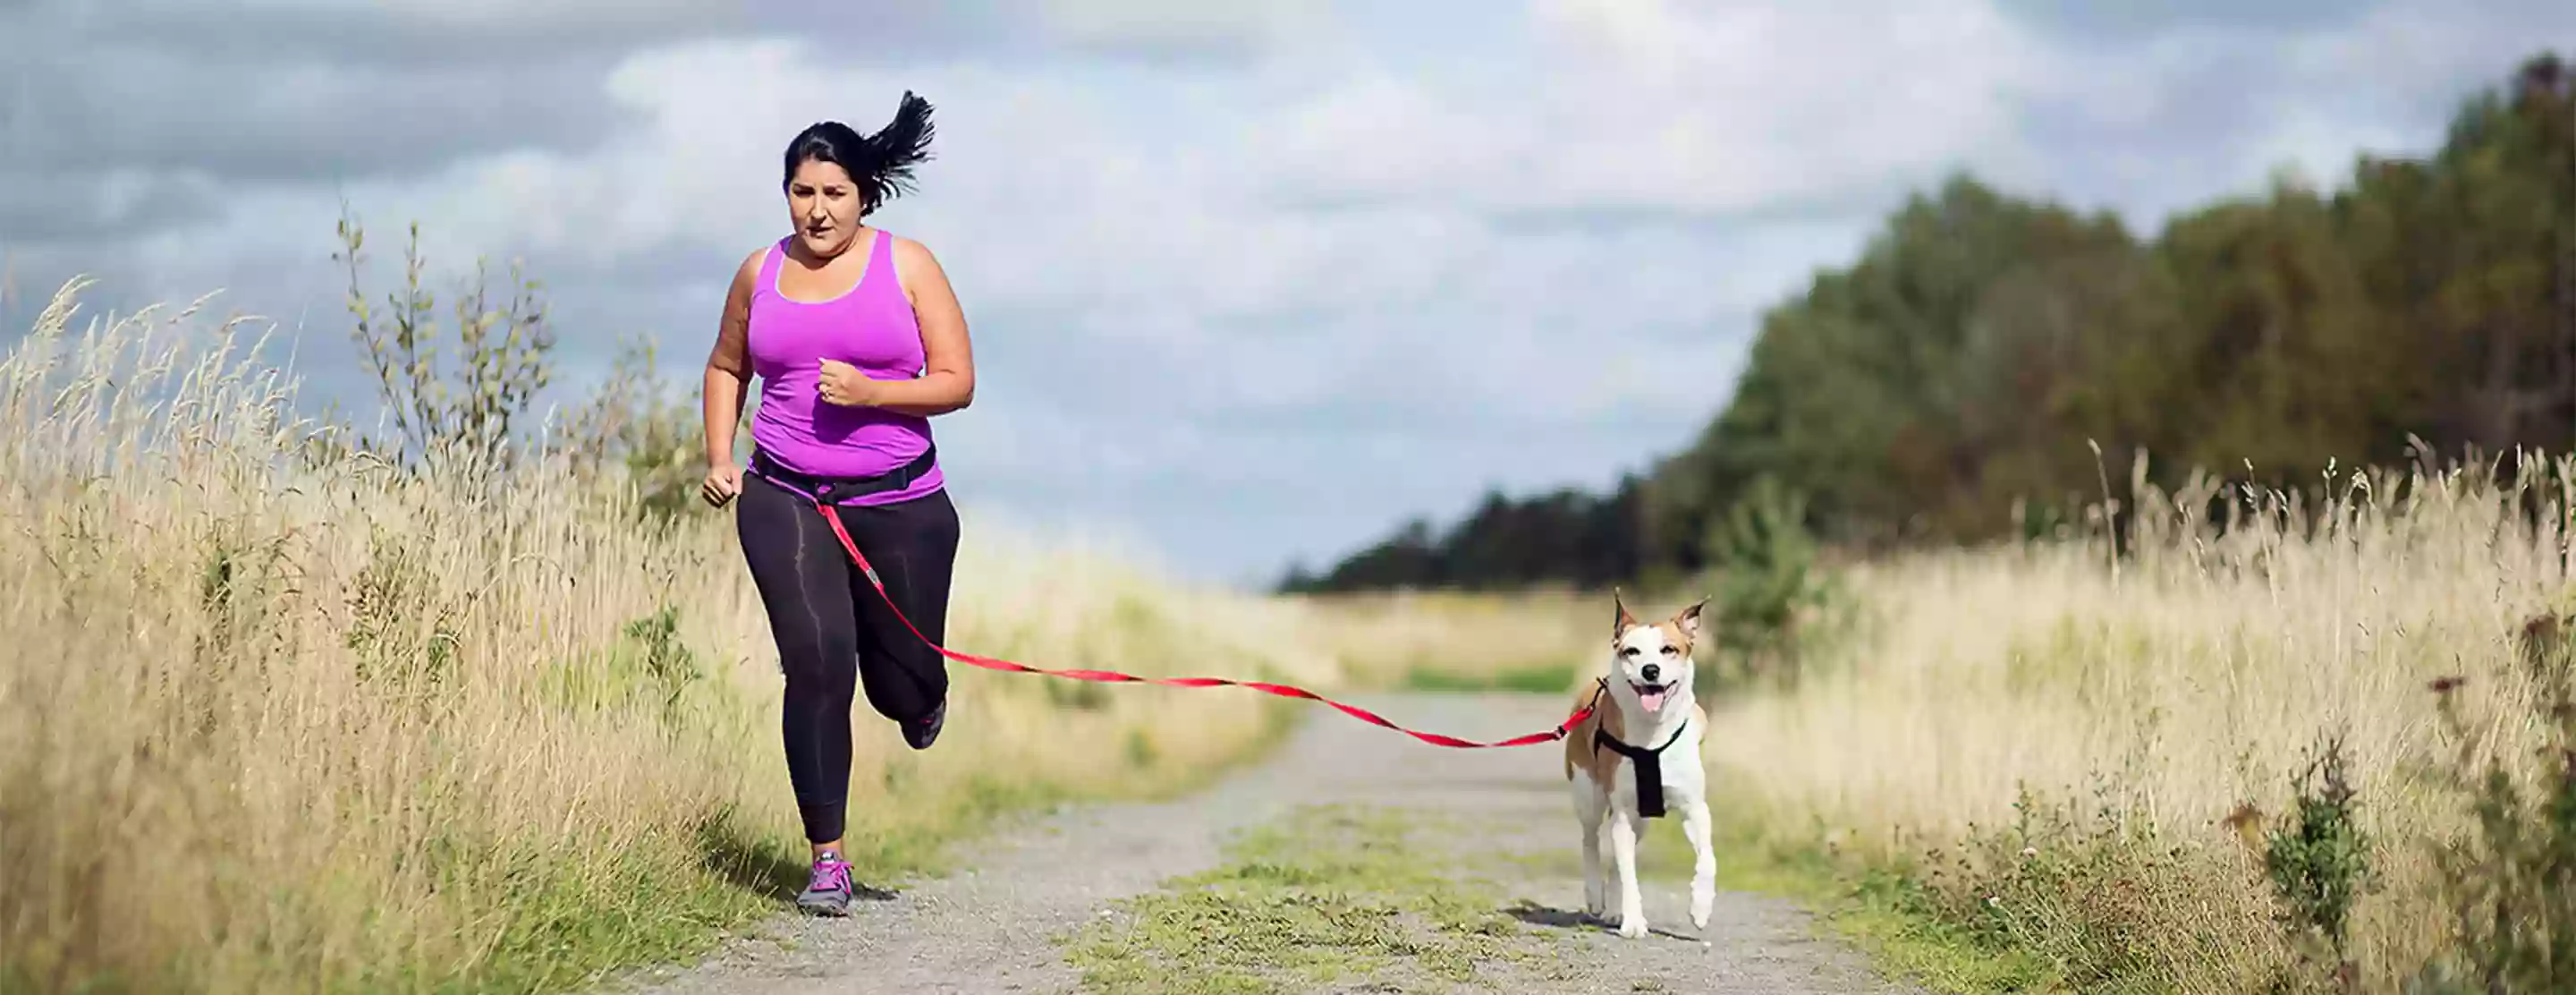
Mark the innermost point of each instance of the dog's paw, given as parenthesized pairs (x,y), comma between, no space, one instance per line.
(1633,928)
(1700,907)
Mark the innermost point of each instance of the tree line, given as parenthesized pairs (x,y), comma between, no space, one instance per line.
(1953,383)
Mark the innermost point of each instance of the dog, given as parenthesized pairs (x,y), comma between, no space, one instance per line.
(1637,757)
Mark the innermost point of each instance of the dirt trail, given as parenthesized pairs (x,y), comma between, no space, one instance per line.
(995,928)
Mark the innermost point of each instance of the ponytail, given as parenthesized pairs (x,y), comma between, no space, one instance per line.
(881,164)
(892,152)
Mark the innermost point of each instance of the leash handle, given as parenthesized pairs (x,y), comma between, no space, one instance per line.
(832,516)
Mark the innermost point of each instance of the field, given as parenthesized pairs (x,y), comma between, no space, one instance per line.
(278,718)
(2105,766)
(283,718)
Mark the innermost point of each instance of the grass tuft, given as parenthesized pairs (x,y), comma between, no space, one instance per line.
(1330,895)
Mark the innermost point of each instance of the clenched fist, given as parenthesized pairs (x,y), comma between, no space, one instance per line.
(842,384)
(721,485)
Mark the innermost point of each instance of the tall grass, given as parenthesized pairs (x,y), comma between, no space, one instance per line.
(2088,757)
(278,718)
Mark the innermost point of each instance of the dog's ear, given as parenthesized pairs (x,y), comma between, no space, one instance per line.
(1687,619)
(1625,621)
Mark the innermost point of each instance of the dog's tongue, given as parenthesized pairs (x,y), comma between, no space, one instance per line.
(1653,700)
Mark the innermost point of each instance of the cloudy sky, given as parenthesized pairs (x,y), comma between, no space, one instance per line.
(1248,281)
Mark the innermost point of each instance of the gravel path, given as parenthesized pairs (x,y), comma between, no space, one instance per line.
(993,929)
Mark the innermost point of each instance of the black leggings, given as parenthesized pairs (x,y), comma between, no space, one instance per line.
(833,632)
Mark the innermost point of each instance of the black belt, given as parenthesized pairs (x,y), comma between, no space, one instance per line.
(834,490)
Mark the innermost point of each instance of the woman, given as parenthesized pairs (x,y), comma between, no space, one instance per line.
(858,341)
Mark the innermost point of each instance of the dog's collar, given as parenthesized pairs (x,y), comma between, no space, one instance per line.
(1650,766)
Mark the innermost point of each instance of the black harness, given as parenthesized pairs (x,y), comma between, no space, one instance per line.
(1649,763)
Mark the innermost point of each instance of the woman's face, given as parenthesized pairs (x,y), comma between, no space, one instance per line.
(823,204)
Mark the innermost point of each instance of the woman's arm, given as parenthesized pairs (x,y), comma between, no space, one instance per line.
(947,382)
(728,375)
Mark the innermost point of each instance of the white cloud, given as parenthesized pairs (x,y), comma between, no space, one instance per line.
(1527,254)
(499,15)
(1186,24)
(1650,106)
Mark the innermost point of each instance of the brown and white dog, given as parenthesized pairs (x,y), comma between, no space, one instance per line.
(1637,757)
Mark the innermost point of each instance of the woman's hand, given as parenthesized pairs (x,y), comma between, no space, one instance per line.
(841,383)
(723,483)
(728,380)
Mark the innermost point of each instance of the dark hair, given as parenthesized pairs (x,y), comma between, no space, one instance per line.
(881,164)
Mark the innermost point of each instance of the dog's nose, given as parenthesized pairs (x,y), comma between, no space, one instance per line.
(1650,672)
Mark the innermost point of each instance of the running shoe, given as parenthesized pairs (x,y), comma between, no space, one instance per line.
(829,892)
(925,732)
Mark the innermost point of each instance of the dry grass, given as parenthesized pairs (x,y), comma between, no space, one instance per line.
(272,722)
(2154,700)
(1439,638)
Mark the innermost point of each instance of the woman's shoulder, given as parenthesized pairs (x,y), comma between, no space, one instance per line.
(746,274)
(911,258)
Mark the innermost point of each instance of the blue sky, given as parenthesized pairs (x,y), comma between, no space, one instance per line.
(1248,281)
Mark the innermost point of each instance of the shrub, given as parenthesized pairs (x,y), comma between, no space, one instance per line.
(2511,883)
(504,349)
(2317,858)
(1769,582)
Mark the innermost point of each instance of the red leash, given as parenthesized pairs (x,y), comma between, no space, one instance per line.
(1114,677)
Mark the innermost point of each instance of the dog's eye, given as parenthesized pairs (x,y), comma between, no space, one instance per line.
(1629,651)
(1668,651)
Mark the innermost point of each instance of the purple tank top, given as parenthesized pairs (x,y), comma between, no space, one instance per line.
(871,327)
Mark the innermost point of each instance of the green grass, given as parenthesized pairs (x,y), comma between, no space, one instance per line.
(562,924)
(1539,679)
(1881,911)
(930,843)
(1330,894)
(562,927)
(748,875)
